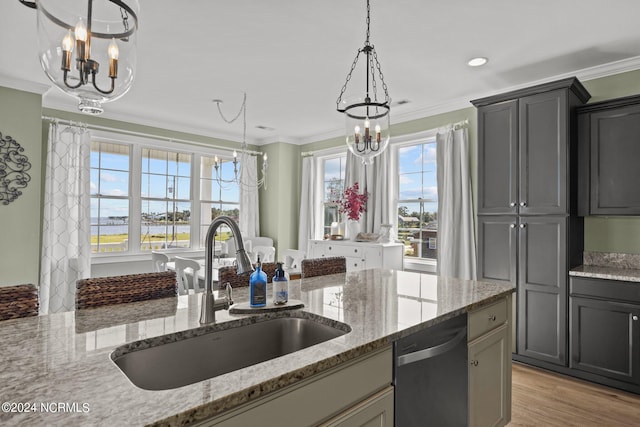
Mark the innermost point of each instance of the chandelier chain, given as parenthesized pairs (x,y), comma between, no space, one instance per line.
(125,19)
(384,84)
(353,67)
(368,23)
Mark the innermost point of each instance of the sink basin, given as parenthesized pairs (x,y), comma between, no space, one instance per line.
(180,359)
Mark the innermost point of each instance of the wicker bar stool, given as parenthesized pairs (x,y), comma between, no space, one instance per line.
(111,290)
(18,301)
(229,275)
(323,266)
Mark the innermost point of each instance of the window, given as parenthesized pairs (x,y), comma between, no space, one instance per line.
(110,165)
(418,198)
(166,199)
(218,198)
(148,195)
(333,179)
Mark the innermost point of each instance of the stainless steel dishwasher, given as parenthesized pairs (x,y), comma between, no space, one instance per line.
(431,376)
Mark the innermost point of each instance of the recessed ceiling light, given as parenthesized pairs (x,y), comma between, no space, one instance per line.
(477,62)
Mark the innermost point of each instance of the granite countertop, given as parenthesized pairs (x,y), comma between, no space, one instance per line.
(609,265)
(60,364)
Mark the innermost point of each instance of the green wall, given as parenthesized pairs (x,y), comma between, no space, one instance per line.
(20,220)
(613,234)
(280,202)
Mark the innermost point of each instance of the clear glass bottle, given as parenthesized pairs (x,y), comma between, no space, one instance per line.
(280,286)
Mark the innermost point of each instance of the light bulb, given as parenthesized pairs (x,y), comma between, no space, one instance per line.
(264,157)
(81,31)
(357,129)
(367,124)
(113,49)
(235,154)
(377,128)
(67,42)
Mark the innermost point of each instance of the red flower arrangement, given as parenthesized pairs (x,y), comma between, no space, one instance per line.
(352,203)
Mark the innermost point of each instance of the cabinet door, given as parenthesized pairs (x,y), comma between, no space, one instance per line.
(376,411)
(543,153)
(497,158)
(489,383)
(615,150)
(542,288)
(497,248)
(605,338)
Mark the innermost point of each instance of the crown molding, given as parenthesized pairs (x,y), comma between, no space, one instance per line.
(23,85)
(421,112)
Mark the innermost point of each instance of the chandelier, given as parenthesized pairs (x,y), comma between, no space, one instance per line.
(367,118)
(88,47)
(242,176)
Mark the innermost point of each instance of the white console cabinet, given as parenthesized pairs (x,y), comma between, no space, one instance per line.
(360,255)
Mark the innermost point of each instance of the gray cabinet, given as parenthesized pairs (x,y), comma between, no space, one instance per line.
(524,150)
(528,231)
(609,138)
(498,158)
(542,288)
(605,331)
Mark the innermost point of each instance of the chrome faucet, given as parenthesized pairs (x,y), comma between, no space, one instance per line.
(207,313)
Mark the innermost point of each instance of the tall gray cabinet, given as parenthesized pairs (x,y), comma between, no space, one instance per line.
(529,233)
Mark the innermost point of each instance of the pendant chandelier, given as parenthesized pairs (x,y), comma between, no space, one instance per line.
(367,117)
(88,47)
(242,176)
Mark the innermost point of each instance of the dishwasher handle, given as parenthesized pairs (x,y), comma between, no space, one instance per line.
(434,351)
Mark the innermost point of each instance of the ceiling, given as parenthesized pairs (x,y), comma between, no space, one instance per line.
(291,57)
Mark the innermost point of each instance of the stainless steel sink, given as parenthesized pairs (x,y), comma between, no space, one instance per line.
(181,359)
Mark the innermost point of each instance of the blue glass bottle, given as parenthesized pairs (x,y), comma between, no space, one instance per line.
(258,287)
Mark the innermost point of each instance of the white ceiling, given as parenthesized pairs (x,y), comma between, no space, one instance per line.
(291,57)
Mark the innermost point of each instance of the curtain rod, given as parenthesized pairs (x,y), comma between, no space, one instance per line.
(307,153)
(145,135)
(460,123)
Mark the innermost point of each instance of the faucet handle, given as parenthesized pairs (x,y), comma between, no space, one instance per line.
(229,295)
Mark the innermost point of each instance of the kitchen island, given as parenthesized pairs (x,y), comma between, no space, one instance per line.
(57,369)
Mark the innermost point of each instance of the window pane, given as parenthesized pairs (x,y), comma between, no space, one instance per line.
(410,186)
(165,224)
(409,159)
(109,225)
(154,186)
(114,183)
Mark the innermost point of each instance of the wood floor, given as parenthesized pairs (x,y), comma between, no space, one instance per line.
(541,398)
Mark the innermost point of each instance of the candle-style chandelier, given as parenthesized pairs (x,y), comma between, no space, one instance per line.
(242,176)
(362,113)
(88,47)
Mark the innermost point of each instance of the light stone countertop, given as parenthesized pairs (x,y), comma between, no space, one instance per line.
(64,358)
(610,266)
(609,273)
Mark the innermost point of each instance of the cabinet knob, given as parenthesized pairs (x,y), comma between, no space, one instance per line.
(492,317)
(329,247)
(355,250)
(512,204)
(474,363)
(523,204)
(512,226)
(635,317)
(523,225)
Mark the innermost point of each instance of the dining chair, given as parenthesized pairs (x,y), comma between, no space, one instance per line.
(18,301)
(266,254)
(293,262)
(100,291)
(229,275)
(182,265)
(323,266)
(159,261)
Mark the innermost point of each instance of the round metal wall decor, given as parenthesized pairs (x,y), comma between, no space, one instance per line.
(13,169)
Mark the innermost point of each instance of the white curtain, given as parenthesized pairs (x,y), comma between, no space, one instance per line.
(309,206)
(249,206)
(375,180)
(66,229)
(456,231)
